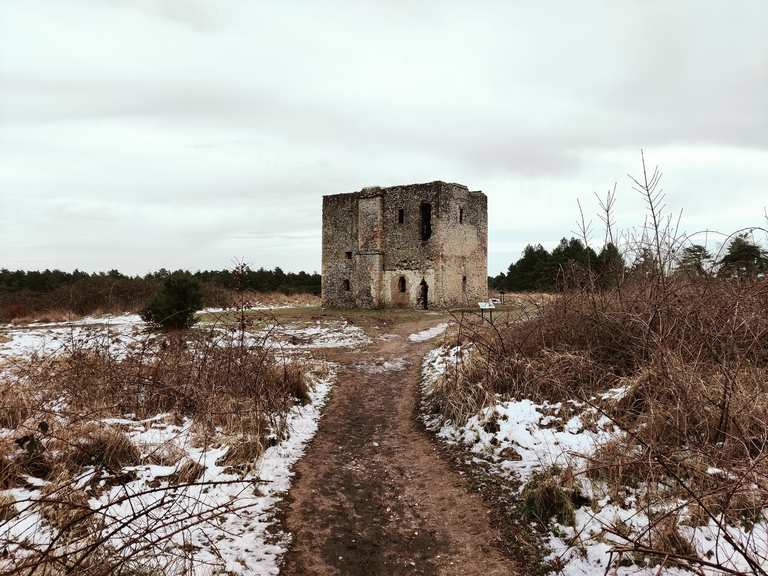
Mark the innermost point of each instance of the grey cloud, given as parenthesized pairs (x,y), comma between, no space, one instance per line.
(219,125)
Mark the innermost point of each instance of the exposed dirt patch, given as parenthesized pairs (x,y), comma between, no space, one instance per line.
(373,494)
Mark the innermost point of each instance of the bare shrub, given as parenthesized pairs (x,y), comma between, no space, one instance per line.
(677,361)
(72,435)
(548,494)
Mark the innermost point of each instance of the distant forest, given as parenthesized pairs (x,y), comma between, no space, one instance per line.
(25,292)
(540,270)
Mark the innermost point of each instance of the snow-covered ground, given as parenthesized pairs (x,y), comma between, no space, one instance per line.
(520,437)
(52,338)
(429,333)
(245,539)
(239,536)
(327,334)
(256,306)
(126,330)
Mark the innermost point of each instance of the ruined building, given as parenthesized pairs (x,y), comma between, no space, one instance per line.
(417,245)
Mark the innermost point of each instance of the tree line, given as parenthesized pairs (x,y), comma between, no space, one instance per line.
(260,280)
(24,292)
(540,270)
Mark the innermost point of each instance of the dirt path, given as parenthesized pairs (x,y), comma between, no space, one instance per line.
(372,494)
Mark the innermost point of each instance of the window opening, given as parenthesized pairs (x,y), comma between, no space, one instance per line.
(426,221)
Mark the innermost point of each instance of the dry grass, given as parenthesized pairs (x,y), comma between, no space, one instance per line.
(65,508)
(233,394)
(461,392)
(16,404)
(689,352)
(187,472)
(7,508)
(50,316)
(98,445)
(550,494)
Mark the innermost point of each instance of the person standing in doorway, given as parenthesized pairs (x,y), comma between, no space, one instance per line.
(424,294)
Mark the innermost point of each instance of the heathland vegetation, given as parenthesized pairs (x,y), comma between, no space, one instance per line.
(662,361)
(26,294)
(118,443)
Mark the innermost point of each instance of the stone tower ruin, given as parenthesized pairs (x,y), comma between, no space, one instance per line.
(416,245)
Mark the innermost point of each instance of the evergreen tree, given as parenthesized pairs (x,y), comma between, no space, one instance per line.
(744,258)
(645,263)
(533,271)
(174,306)
(695,259)
(610,266)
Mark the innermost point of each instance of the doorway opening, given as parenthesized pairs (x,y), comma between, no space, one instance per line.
(424,294)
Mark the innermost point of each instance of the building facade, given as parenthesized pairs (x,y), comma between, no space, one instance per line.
(417,245)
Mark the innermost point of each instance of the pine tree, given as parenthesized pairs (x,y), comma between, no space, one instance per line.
(744,258)
(695,259)
(533,271)
(610,266)
(174,306)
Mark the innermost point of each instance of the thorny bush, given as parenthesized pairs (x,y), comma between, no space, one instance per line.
(685,358)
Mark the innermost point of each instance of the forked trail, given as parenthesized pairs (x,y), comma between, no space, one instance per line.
(372,494)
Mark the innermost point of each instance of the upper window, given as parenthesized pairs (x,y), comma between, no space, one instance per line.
(401,284)
(461,215)
(348,254)
(400,216)
(347,287)
(426,221)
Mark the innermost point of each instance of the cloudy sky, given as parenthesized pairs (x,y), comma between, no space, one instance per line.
(140,134)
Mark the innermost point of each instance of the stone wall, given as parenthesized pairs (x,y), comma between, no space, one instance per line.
(382,228)
(339,245)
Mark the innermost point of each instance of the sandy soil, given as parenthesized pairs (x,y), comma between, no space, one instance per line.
(373,495)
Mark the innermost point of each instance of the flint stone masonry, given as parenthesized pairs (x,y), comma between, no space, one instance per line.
(381,245)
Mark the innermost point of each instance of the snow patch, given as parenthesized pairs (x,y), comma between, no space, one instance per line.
(241,540)
(519,437)
(429,333)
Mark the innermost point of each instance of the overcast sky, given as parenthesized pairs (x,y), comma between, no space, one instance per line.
(139,134)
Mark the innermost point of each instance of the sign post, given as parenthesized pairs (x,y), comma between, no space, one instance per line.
(486,306)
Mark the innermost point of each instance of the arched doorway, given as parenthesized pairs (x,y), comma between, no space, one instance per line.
(424,294)
(400,295)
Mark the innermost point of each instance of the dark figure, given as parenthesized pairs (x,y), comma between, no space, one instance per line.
(424,295)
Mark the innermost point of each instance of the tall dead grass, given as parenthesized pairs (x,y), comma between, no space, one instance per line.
(686,360)
(71,414)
